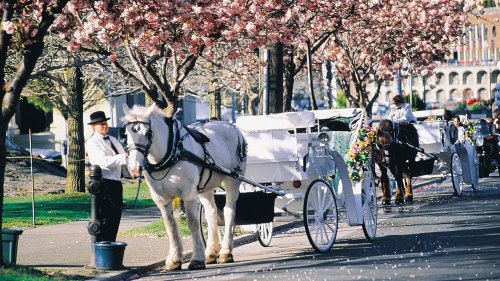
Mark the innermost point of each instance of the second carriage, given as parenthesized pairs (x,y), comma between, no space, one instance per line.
(296,166)
(437,142)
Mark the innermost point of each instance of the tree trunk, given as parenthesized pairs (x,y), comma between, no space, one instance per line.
(275,77)
(253,102)
(328,82)
(3,157)
(215,102)
(75,175)
(289,80)
(314,105)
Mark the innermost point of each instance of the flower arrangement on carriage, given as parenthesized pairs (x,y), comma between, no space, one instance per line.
(359,153)
(469,132)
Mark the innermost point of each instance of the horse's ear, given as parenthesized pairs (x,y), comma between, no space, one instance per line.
(151,109)
(126,109)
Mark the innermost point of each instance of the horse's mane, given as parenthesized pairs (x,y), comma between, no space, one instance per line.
(385,125)
(141,113)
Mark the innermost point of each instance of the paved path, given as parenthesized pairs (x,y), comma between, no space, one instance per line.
(66,247)
(439,237)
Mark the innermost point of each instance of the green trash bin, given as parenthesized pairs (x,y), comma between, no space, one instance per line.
(10,237)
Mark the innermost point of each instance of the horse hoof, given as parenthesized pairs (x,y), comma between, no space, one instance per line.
(196,265)
(211,259)
(386,202)
(409,199)
(226,258)
(399,201)
(173,266)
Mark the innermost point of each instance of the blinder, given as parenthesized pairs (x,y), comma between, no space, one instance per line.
(122,133)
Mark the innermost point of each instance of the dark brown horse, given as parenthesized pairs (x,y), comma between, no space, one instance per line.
(401,158)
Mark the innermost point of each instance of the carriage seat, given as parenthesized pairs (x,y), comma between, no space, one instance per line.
(434,137)
(275,151)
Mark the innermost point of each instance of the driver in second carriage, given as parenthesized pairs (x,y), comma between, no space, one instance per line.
(403,120)
(401,111)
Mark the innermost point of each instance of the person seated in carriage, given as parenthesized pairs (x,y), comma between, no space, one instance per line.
(458,132)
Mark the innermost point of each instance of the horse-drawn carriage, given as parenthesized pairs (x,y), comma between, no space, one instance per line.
(299,156)
(436,152)
(461,160)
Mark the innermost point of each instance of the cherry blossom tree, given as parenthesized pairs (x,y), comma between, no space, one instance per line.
(156,44)
(381,37)
(23,26)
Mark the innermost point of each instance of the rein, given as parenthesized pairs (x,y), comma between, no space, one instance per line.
(120,206)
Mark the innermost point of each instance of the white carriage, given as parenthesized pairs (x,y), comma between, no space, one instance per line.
(294,157)
(458,160)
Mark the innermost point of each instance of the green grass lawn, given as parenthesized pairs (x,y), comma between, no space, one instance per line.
(61,208)
(156,229)
(24,273)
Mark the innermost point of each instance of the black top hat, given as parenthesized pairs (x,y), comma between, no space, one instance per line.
(97,117)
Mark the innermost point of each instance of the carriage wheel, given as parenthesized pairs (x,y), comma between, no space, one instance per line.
(204,226)
(320,216)
(265,233)
(475,175)
(456,174)
(370,212)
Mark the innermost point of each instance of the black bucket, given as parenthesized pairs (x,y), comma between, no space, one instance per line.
(109,255)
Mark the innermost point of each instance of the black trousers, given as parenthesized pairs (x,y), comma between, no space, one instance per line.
(111,212)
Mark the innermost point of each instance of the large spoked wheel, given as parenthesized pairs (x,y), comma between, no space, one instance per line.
(320,216)
(456,174)
(265,233)
(370,212)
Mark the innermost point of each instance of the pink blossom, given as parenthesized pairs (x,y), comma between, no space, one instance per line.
(112,57)
(8,27)
(209,55)
(251,27)
(73,46)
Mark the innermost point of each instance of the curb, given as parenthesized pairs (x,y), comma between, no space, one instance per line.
(140,270)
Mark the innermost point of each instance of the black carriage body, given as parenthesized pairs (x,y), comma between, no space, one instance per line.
(423,167)
(251,207)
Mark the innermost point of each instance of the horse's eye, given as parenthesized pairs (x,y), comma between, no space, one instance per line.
(136,128)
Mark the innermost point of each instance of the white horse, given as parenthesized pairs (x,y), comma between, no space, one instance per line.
(164,149)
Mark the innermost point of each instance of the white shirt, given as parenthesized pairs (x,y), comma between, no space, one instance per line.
(461,134)
(402,114)
(100,153)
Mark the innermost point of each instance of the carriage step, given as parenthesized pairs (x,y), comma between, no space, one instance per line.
(296,196)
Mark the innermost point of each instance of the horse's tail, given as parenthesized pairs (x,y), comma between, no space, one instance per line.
(242,149)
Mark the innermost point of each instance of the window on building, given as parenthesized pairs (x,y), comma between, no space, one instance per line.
(494,31)
(489,4)
(485,31)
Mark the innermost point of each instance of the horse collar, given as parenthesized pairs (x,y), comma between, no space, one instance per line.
(174,149)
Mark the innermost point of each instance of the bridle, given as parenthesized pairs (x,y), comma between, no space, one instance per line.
(142,148)
(174,148)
